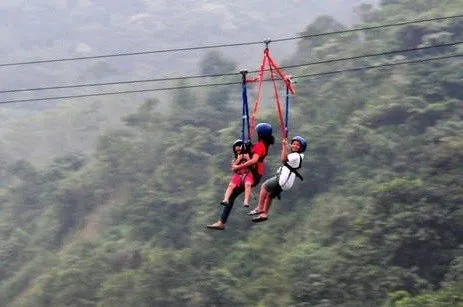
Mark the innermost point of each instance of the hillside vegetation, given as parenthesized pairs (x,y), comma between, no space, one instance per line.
(377,221)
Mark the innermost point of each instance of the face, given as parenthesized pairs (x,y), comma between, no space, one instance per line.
(295,146)
(238,149)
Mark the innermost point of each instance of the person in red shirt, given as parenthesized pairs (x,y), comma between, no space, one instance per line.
(258,153)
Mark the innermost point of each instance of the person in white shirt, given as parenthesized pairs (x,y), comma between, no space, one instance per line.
(283,180)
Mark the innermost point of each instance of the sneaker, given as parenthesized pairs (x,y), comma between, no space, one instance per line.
(224,203)
(245,205)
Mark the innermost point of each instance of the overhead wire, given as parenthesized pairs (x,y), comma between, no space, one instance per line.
(370,27)
(229,83)
(192,48)
(379,66)
(227,74)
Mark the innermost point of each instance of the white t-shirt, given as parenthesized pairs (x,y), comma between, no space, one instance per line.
(286,178)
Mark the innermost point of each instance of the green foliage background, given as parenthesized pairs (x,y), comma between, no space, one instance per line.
(378,220)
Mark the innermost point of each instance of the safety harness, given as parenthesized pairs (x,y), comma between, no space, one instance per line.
(294,170)
(268,64)
(248,122)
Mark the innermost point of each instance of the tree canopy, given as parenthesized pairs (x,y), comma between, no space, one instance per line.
(377,221)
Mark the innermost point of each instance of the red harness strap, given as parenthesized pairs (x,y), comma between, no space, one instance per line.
(272,67)
(283,77)
(277,101)
(259,78)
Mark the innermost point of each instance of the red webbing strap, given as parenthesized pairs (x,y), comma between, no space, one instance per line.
(280,73)
(277,99)
(260,79)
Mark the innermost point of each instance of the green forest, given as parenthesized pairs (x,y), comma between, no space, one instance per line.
(377,221)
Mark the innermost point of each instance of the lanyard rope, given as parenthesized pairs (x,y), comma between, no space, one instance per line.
(287,113)
(274,69)
(245,109)
(277,101)
(260,79)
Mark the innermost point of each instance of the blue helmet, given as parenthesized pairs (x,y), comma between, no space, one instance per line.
(301,141)
(264,130)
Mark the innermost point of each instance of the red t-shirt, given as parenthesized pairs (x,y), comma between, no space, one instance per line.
(261,151)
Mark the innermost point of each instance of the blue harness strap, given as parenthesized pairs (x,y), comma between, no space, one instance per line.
(245,110)
(288,92)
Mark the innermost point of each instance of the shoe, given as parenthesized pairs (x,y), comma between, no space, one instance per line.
(216,227)
(254,212)
(245,205)
(260,219)
(225,203)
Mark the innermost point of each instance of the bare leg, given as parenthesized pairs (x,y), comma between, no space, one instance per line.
(228,192)
(247,193)
(262,196)
(267,204)
(220,224)
(264,215)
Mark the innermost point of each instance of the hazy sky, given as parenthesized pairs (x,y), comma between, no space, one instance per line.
(50,29)
(47,29)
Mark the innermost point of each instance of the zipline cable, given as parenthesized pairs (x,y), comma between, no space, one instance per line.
(227,45)
(225,74)
(230,83)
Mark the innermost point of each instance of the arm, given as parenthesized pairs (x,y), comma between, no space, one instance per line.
(284,150)
(248,163)
(238,159)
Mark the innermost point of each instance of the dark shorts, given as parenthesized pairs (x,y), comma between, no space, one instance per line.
(273,187)
(257,178)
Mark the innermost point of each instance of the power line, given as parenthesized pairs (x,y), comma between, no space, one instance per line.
(356,57)
(379,66)
(229,83)
(227,45)
(226,74)
(119,92)
(370,28)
